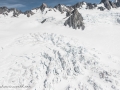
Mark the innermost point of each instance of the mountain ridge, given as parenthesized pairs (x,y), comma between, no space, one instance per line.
(38,51)
(63,8)
(74,18)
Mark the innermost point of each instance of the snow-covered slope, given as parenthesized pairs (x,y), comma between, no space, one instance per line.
(54,62)
(50,56)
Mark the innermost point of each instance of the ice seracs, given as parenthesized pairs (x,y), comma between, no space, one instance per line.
(42,53)
(48,61)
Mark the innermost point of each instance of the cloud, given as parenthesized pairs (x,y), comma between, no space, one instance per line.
(12,5)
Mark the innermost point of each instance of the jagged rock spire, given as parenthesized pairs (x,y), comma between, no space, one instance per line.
(43,6)
(75,20)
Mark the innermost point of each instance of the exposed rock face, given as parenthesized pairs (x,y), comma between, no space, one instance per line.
(106,4)
(43,6)
(91,6)
(75,20)
(16,12)
(59,7)
(112,4)
(69,8)
(29,13)
(3,10)
(80,5)
(68,14)
(101,8)
(63,8)
(43,21)
(118,3)
(95,5)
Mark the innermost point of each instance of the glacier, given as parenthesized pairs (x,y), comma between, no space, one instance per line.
(50,56)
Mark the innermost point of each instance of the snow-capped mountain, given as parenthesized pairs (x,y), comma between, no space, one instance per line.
(62,48)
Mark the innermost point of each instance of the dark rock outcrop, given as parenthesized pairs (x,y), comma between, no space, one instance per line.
(29,13)
(43,6)
(5,14)
(118,3)
(16,12)
(75,20)
(112,4)
(90,6)
(59,7)
(3,10)
(63,8)
(106,4)
(101,8)
(80,5)
(94,4)
(43,21)
(68,14)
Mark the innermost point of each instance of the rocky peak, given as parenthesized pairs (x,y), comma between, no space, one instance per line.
(16,12)
(75,20)
(106,4)
(43,6)
(29,13)
(3,10)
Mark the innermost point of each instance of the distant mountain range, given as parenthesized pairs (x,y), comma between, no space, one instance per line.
(63,8)
(74,20)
